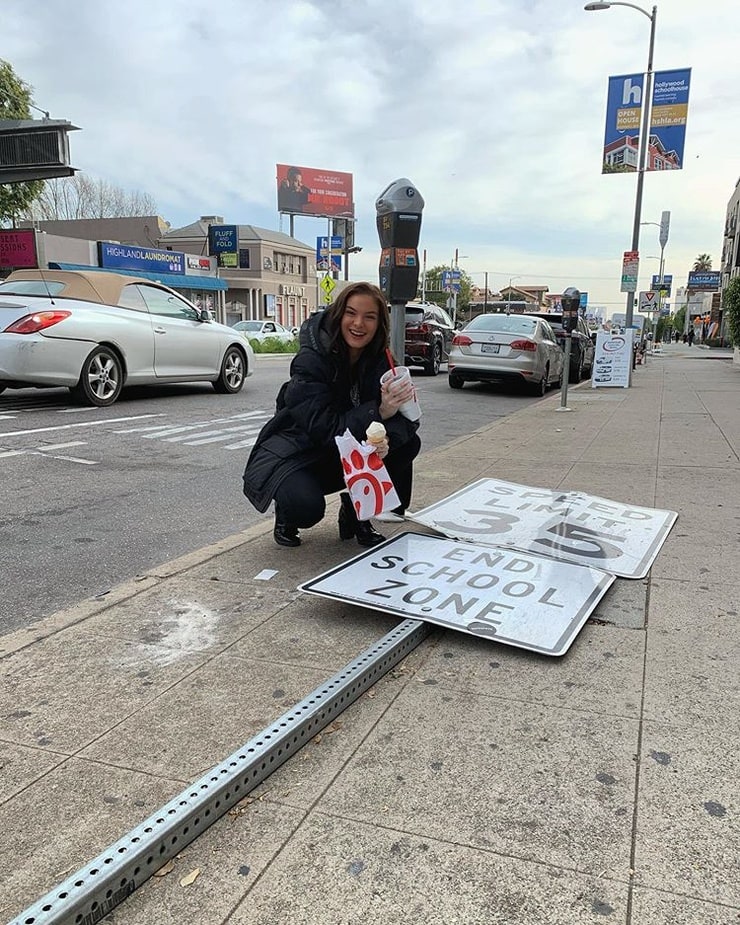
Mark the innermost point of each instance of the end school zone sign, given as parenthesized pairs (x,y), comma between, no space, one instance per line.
(569,525)
(506,596)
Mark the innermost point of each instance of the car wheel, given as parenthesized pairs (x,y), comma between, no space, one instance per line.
(577,374)
(233,372)
(455,382)
(432,367)
(101,378)
(539,388)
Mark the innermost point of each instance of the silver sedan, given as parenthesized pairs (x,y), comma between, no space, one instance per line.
(95,332)
(501,348)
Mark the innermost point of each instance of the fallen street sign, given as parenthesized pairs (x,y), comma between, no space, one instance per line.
(568,525)
(514,598)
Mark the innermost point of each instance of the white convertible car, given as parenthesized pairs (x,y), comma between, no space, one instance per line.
(96,331)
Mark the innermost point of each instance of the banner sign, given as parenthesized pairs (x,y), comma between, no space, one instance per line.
(18,249)
(334,261)
(308,191)
(148,259)
(567,525)
(622,134)
(630,271)
(514,598)
(668,121)
(708,281)
(612,359)
(669,111)
(667,283)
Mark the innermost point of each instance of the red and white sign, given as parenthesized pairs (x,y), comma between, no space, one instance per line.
(18,249)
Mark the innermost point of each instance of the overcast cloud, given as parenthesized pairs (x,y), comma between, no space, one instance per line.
(494,108)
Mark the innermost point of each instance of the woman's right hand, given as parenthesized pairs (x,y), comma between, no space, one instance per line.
(393,394)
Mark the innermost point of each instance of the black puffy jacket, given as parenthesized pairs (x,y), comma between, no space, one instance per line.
(315,406)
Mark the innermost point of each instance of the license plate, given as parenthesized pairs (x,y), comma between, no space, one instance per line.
(489,348)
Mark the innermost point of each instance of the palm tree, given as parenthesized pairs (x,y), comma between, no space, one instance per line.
(702,263)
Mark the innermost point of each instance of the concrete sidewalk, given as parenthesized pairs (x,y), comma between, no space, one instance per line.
(474,783)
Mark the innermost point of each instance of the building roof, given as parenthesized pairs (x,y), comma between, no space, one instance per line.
(199,229)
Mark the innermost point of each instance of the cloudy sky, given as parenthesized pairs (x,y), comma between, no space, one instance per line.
(494,108)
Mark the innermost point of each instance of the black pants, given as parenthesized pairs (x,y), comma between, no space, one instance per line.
(300,499)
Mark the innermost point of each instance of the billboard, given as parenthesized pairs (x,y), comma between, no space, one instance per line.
(669,111)
(309,191)
(705,280)
(18,249)
(148,259)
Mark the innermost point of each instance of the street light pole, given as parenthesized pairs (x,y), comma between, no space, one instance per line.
(508,308)
(644,136)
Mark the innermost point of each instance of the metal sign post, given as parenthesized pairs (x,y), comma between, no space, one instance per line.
(566,374)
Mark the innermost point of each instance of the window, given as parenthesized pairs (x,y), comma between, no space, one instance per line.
(131,297)
(31,287)
(162,302)
(243,258)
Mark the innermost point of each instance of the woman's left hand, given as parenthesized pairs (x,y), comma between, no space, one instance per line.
(382,448)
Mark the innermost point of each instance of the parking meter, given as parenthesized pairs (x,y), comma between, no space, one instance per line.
(570,302)
(399,209)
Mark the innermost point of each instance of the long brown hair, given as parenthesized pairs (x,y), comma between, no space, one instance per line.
(337,309)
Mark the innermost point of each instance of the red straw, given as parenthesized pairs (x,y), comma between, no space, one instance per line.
(390,360)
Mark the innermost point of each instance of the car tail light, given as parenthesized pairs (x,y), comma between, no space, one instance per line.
(461,340)
(523,345)
(32,324)
(418,329)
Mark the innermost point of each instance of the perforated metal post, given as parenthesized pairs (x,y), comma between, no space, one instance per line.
(90,894)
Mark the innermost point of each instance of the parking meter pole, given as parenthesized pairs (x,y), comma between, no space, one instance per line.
(566,371)
(571,303)
(398,330)
(399,209)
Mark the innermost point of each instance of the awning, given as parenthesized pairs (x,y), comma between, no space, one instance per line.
(173,280)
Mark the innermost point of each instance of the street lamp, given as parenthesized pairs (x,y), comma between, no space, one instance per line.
(643,137)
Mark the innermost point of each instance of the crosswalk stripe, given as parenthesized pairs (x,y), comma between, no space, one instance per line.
(226,434)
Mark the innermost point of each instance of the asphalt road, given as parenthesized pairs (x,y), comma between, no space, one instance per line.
(91,497)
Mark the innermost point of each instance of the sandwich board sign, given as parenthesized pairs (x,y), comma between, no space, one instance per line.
(568,525)
(514,598)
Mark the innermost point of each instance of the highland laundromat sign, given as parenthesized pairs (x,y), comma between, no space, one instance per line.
(514,598)
(569,525)
(146,259)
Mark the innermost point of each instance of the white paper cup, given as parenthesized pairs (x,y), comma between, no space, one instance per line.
(409,409)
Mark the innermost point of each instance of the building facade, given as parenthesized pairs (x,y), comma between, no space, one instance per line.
(276,276)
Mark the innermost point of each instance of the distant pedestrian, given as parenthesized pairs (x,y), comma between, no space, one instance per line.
(691,337)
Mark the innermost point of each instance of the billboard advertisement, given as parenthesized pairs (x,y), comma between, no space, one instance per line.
(18,249)
(670,105)
(309,191)
(707,280)
(668,119)
(149,259)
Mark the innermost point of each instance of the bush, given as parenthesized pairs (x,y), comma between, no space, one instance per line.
(731,309)
(274,345)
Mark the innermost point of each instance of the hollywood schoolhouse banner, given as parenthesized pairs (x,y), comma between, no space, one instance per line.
(568,525)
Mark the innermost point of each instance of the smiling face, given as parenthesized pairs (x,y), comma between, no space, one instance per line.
(359,323)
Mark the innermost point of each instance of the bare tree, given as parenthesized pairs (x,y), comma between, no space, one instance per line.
(81,196)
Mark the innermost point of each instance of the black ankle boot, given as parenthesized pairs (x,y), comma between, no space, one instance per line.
(350,526)
(286,534)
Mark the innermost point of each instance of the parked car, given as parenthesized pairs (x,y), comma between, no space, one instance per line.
(96,331)
(429,333)
(582,345)
(500,348)
(262,330)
